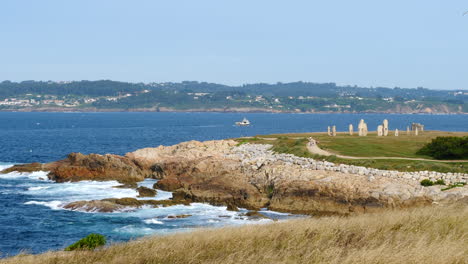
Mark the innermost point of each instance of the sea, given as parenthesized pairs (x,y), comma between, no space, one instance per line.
(32,218)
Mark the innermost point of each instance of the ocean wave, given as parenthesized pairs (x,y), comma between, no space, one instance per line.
(153,221)
(37,188)
(37,175)
(78,191)
(54,205)
(135,230)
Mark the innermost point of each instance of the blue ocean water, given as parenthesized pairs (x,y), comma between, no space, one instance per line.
(31,217)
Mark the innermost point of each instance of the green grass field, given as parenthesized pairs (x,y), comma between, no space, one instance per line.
(371,146)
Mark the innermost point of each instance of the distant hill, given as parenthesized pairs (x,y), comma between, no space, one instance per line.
(202,96)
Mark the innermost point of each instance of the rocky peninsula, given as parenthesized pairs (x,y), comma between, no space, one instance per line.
(224,172)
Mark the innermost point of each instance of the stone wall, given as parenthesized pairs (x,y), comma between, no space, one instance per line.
(258,155)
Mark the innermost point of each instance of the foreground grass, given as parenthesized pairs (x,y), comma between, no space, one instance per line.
(424,235)
(405,147)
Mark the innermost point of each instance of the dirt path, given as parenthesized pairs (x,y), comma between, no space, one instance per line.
(315,149)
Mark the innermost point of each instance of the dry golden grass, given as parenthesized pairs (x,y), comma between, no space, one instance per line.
(424,235)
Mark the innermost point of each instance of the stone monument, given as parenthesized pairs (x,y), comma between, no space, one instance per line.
(396,132)
(407,130)
(334,131)
(329,131)
(416,131)
(380,130)
(419,126)
(350,129)
(362,128)
(385,127)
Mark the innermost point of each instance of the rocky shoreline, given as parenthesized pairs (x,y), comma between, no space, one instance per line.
(251,176)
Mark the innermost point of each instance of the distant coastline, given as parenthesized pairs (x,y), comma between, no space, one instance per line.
(218,110)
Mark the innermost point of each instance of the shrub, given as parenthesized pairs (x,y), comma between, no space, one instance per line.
(427,182)
(90,242)
(440,182)
(457,184)
(446,148)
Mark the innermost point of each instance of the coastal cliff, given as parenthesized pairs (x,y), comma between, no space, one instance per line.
(251,176)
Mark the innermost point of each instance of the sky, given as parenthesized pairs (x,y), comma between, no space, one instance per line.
(398,43)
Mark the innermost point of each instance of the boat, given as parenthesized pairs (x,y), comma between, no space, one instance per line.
(244,122)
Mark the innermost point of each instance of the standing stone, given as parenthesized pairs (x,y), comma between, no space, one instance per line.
(329,132)
(380,130)
(416,131)
(396,132)
(350,129)
(334,131)
(419,126)
(362,128)
(385,127)
(407,130)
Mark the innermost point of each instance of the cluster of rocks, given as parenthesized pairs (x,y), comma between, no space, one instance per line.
(258,155)
(250,176)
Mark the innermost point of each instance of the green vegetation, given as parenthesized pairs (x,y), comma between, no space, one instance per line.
(184,96)
(427,182)
(427,235)
(364,148)
(457,184)
(446,148)
(90,242)
(439,182)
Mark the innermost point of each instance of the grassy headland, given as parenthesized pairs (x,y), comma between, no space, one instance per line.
(425,235)
(404,146)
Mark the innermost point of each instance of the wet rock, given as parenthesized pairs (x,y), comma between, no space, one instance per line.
(30,167)
(146,192)
(125,201)
(94,206)
(168,184)
(119,204)
(232,207)
(256,215)
(127,185)
(179,216)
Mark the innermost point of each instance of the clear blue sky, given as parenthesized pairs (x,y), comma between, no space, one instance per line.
(405,43)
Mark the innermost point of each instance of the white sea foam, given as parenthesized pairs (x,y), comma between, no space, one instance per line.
(37,188)
(54,205)
(37,175)
(135,230)
(153,221)
(83,190)
(5,165)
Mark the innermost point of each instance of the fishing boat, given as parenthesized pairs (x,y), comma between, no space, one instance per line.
(244,122)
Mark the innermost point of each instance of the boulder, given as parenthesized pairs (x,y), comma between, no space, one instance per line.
(146,192)
(77,167)
(94,206)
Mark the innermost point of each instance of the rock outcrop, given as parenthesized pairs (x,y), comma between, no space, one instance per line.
(123,204)
(77,167)
(146,192)
(253,177)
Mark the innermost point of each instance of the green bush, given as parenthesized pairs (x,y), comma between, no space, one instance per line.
(90,242)
(446,148)
(440,182)
(457,184)
(427,182)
